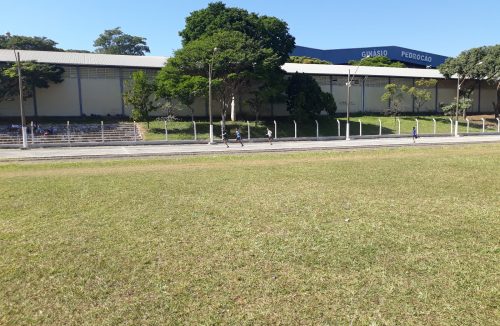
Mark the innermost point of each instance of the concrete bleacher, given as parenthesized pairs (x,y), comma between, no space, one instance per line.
(77,133)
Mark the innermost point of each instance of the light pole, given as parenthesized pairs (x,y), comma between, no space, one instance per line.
(20,82)
(349,84)
(210,70)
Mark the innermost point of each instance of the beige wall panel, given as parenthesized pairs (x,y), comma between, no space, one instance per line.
(374,89)
(339,92)
(11,108)
(59,99)
(447,91)
(101,96)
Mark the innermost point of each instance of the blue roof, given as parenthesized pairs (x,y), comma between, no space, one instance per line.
(395,53)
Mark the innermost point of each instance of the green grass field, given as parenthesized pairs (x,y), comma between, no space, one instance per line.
(183,130)
(254,239)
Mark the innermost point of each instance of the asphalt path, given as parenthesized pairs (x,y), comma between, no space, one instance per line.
(140,150)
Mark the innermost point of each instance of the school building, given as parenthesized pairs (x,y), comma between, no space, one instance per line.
(94,85)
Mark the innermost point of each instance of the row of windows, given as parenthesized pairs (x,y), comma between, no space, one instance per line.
(103,73)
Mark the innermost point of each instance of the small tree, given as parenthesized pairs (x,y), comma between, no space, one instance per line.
(141,96)
(464,103)
(421,93)
(394,96)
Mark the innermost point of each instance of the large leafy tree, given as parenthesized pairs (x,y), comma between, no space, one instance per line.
(20,42)
(33,74)
(306,100)
(141,96)
(477,63)
(114,41)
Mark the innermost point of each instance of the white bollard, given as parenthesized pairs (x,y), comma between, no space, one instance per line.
(416,120)
(467,119)
(295,124)
(166,131)
(24,132)
(317,129)
(451,126)
(32,133)
(434,125)
(248,126)
(67,131)
(498,124)
(456,128)
(275,130)
(379,127)
(135,131)
(360,128)
(194,130)
(399,126)
(338,126)
(102,131)
(482,119)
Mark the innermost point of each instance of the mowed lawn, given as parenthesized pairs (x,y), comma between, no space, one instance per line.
(402,236)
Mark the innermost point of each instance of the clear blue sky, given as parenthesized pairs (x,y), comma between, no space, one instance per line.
(443,27)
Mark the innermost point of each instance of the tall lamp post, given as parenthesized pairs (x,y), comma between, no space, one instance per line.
(23,119)
(210,71)
(349,84)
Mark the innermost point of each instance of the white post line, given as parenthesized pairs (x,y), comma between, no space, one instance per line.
(360,128)
(379,127)
(102,131)
(248,125)
(221,129)
(399,126)
(467,119)
(482,119)
(275,130)
(194,130)
(456,128)
(135,131)
(451,126)
(498,124)
(32,133)
(166,131)
(434,125)
(418,133)
(338,126)
(295,124)
(67,130)
(317,129)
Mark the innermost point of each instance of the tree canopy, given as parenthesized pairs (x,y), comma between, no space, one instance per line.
(20,42)
(114,41)
(306,100)
(308,60)
(378,61)
(477,63)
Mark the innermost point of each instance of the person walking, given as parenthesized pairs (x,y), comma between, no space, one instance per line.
(414,134)
(238,136)
(269,135)
(225,137)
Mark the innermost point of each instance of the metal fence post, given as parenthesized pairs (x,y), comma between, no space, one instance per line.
(317,129)
(248,125)
(482,119)
(379,127)
(338,126)
(399,126)
(166,131)
(102,131)
(275,130)
(451,126)
(221,129)
(467,119)
(434,125)
(498,124)
(360,128)
(295,124)
(67,131)
(416,120)
(32,133)
(135,132)
(194,130)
